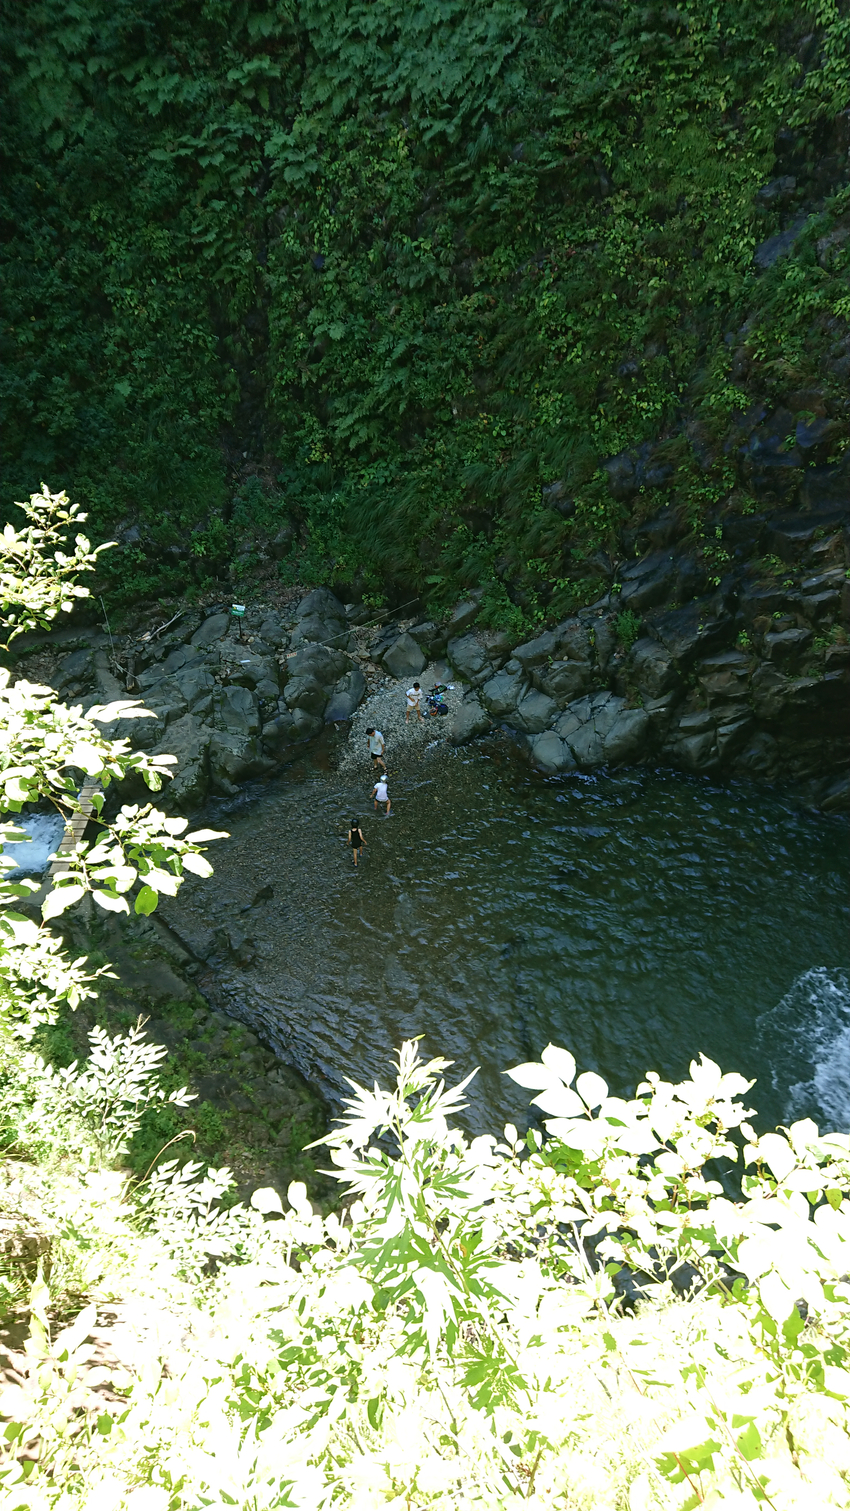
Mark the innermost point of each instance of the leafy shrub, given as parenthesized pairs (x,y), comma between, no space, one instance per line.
(627,627)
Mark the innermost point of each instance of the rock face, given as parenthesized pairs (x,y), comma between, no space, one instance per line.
(750,677)
(468,721)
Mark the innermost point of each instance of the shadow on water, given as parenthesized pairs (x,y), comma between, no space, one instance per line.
(636,918)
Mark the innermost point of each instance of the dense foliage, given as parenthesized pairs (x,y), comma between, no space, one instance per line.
(385,273)
(644,1305)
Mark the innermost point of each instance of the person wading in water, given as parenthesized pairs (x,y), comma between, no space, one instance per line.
(356,839)
(380,793)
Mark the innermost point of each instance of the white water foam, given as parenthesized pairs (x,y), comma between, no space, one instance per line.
(806,1041)
(33,856)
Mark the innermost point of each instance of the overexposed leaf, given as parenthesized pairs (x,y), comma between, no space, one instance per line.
(109,902)
(533,1076)
(591,1088)
(265,1199)
(561,1061)
(197,864)
(560,1101)
(59,899)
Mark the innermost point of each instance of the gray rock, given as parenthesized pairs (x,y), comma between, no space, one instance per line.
(574,638)
(770,692)
(234,758)
(321,602)
(339,707)
(353,685)
(405,658)
(658,577)
(697,752)
(76,671)
(770,251)
(251,670)
(605,642)
(563,680)
(212,629)
(725,679)
(760,756)
(188,739)
(331,632)
(788,647)
(551,754)
(306,724)
(695,630)
(602,729)
(324,664)
(652,668)
(732,737)
(236,711)
(534,713)
(468,658)
(430,637)
(279,734)
(267,690)
(468,721)
(307,694)
(464,615)
(196,685)
(502,693)
(539,651)
(273,632)
(628,737)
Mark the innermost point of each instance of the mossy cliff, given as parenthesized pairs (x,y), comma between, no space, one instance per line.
(415,299)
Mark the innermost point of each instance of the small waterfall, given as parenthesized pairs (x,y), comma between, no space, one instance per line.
(805,1040)
(33,856)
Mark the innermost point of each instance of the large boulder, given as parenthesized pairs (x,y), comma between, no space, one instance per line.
(658,577)
(500,694)
(214,628)
(652,668)
(313,629)
(698,628)
(234,758)
(306,693)
(196,686)
(76,673)
(236,711)
(538,652)
(550,754)
(321,602)
(468,658)
(251,670)
(279,734)
(464,615)
(273,632)
(430,637)
(346,696)
(404,658)
(563,680)
(603,730)
(188,739)
(468,721)
(534,713)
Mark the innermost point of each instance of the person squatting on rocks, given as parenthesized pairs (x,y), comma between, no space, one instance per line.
(380,793)
(414,700)
(377,746)
(356,839)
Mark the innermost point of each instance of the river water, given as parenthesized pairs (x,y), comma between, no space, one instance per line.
(635,918)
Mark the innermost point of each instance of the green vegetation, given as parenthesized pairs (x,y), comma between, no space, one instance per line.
(383,274)
(645,1305)
(582,1320)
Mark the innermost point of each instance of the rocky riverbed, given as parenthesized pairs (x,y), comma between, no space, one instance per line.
(750,678)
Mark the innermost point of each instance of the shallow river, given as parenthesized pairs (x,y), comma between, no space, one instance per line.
(635,918)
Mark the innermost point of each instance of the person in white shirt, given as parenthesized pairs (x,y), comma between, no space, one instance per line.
(414,699)
(380,793)
(377,747)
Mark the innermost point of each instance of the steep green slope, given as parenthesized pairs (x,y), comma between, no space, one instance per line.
(405,276)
